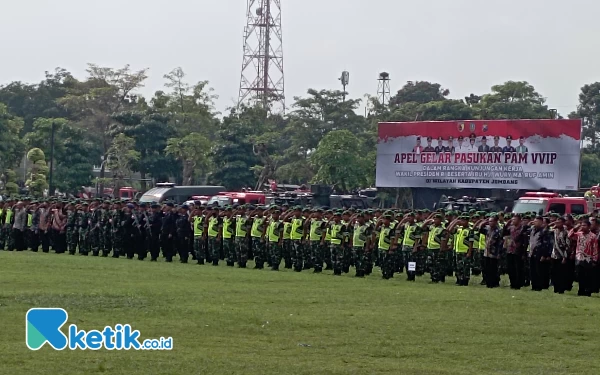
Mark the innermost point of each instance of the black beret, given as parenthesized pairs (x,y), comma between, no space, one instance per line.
(509,138)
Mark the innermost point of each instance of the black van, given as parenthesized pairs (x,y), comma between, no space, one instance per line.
(178,194)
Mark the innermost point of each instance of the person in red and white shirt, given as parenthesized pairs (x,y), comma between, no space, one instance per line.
(586,256)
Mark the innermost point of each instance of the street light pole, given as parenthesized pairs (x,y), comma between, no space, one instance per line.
(51,176)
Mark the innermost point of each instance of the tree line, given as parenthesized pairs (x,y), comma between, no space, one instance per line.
(102,120)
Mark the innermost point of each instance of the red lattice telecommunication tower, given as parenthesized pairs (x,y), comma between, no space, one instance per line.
(262,80)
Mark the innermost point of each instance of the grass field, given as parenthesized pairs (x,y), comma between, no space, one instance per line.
(233,321)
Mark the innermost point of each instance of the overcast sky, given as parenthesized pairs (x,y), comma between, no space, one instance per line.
(466,45)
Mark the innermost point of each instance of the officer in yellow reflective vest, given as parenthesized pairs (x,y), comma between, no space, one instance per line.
(387,244)
(197,219)
(287,242)
(463,248)
(338,239)
(9,218)
(242,237)
(477,256)
(275,239)
(2,214)
(298,236)
(213,230)
(257,233)
(228,235)
(435,236)
(410,234)
(361,237)
(327,218)
(316,228)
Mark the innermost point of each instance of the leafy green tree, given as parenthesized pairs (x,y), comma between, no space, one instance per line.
(74,152)
(339,161)
(150,132)
(589,110)
(121,158)
(12,147)
(192,151)
(9,183)
(37,181)
(512,100)
(590,170)
(419,92)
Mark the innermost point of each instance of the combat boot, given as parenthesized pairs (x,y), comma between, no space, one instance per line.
(215,262)
(275,268)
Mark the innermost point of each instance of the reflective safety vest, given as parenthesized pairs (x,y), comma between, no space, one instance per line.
(8,218)
(1,211)
(297,230)
(29,220)
(273,231)
(359,239)
(434,232)
(327,233)
(257,226)
(240,226)
(198,226)
(408,239)
(287,231)
(213,222)
(481,241)
(336,234)
(316,230)
(384,238)
(462,235)
(227,228)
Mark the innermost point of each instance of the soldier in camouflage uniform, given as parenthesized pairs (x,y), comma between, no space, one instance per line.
(104,229)
(287,243)
(435,236)
(316,227)
(94,234)
(242,232)
(338,239)
(257,233)
(275,239)
(72,234)
(83,229)
(388,245)
(197,221)
(410,232)
(117,218)
(228,237)
(361,237)
(463,248)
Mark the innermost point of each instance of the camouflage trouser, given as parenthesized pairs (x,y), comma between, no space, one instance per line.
(307,256)
(348,259)
(241,250)
(213,249)
(327,254)
(287,253)
(420,257)
(199,248)
(360,259)
(275,252)
(4,236)
(407,257)
(388,262)
(259,248)
(298,254)
(229,249)
(72,240)
(463,267)
(105,242)
(317,253)
(437,264)
(337,258)
(94,237)
(450,262)
(84,241)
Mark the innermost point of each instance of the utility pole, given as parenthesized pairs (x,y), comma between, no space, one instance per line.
(383,87)
(345,79)
(51,174)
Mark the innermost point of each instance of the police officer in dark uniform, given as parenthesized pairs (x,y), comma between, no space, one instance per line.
(429,147)
(168,232)
(496,147)
(184,232)
(440,147)
(155,221)
(508,147)
(450,147)
(484,147)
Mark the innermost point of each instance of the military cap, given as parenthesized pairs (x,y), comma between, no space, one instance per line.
(276,211)
(450,138)
(360,214)
(521,137)
(129,205)
(429,139)
(170,204)
(476,214)
(85,204)
(484,138)
(337,213)
(460,138)
(412,214)
(464,217)
(418,138)
(389,217)
(509,137)
(496,137)
(155,205)
(539,217)
(472,136)
(437,216)
(143,205)
(229,209)
(440,138)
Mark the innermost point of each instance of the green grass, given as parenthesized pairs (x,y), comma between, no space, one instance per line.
(233,321)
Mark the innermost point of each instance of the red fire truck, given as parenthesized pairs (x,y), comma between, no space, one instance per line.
(542,202)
